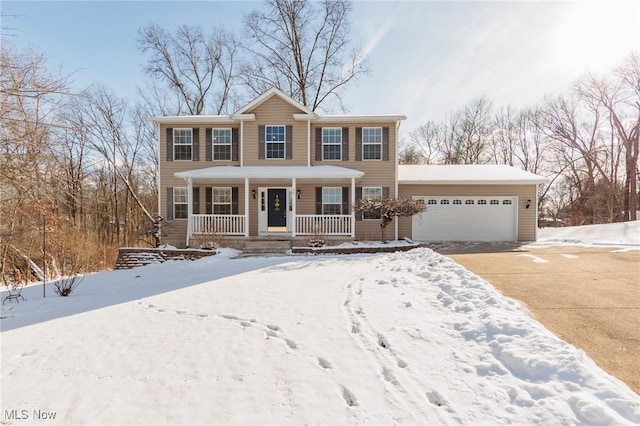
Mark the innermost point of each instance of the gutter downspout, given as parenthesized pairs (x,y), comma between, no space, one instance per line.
(241,143)
(309,143)
(396,177)
(189,209)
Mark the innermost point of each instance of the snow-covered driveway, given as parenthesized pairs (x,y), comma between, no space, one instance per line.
(399,338)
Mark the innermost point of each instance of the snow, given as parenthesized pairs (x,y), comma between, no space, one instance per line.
(400,338)
(622,233)
(461,174)
(271,172)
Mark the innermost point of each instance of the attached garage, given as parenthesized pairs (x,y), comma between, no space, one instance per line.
(470,203)
(466,218)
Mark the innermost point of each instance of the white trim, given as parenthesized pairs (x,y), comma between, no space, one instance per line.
(396,222)
(353,211)
(189,209)
(159,183)
(271,172)
(268,95)
(246,206)
(378,118)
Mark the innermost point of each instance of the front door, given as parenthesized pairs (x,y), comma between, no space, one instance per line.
(277,210)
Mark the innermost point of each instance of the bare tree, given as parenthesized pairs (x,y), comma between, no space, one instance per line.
(302,48)
(197,67)
(467,138)
(428,137)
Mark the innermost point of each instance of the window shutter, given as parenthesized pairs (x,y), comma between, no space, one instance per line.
(345,200)
(385,192)
(385,143)
(195,145)
(358,198)
(289,142)
(318,200)
(195,200)
(169,203)
(261,142)
(208,204)
(208,145)
(345,144)
(169,144)
(234,200)
(234,144)
(358,143)
(318,143)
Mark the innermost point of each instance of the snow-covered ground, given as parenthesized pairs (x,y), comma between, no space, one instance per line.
(401,338)
(623,233)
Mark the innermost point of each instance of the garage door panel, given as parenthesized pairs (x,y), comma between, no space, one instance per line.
(466,222)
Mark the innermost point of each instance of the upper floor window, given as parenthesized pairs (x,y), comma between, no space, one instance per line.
(372,143)
(331,143)
(275,141)
(331,200)
(371,193)
(221,139)
(182,144)
(180,203)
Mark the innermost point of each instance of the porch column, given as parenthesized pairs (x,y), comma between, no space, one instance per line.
(241,143)
(246,207)
(189,209)
(294,199)
(353,211)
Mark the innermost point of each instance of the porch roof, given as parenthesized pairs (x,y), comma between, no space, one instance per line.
(270,174)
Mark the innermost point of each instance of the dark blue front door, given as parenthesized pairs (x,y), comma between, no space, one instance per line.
(277,205)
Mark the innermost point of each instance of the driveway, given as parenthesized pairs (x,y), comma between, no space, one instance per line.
(589,297)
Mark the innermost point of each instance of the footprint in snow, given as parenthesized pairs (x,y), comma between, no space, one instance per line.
(245,324)
(324,363)
(349,398)
(291,344)
(383,342)
(270,333)
(402,363)
(273,327)
(230,317)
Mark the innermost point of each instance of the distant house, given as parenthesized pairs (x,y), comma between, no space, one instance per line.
(275,169)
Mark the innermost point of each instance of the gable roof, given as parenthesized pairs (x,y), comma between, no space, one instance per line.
(466,174)
(274,91)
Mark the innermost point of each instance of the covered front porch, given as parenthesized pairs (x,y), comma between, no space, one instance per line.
(278,201)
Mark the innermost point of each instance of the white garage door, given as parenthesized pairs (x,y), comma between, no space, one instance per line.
(466,219)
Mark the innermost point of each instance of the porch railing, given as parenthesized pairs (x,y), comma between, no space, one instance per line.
(218,224)
(309,224)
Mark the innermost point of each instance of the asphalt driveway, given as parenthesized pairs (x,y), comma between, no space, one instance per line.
(589,297)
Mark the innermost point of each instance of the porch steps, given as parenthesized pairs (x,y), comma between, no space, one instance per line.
(270,246)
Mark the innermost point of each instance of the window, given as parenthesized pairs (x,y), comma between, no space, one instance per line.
(444,201)
(371,193)
(468,202)
(331,143)
(331,200)
(457,201)
(221,200)
(275,141)
(221,139)
(483,202)
(180,203)
(182,144)
(494,202)
(506,201)
(432,202)
(372,143)
(420,201)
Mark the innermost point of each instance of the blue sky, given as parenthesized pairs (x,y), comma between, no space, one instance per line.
(427,58)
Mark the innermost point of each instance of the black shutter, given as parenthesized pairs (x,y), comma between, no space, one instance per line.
(234,144)
(234,200)
(261,142)
(195,144)
(208,195)
(358,198)
(385,192)
(169,144)
(169,203)
(318,143)
(195,200)
(358,143)
(208,145)
(289,142)
(385,143)
(345,200)
(318,200)
(345,144)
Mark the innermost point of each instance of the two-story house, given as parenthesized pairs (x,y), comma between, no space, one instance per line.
(276,169)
